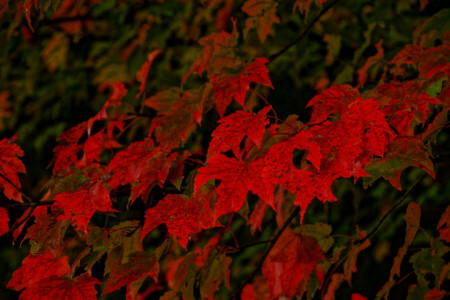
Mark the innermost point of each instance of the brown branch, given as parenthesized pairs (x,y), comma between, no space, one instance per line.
(31,204)
(273,241)
(399,201)
(303,34)
(25,196)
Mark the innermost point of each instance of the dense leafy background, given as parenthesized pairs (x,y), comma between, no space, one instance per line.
(52,69)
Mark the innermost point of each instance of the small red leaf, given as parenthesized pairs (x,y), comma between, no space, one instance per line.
(181,215)
(142,74)
(62,288)
(37,267)
(233,128)
(10,167)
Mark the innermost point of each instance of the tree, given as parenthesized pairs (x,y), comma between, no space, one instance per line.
(200,174)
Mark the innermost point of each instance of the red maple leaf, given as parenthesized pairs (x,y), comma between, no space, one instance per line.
(175,122)
(261,15)
(80,206)
(444,225)
(4,219)
(429,61)
(62,288)
(142,73)
(403,152)
(181,215)
(233,128)
(140,265)
(333,100)
(10,167)
(142,166)
(290,262)
(118,92)
(229,86)
(37,267)
(237,179)
(406,105)
(217,53)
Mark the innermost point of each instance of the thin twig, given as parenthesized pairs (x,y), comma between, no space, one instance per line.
(25,196)
(273,241)
(31,204)
(253,244)
(405,195)
(304,32)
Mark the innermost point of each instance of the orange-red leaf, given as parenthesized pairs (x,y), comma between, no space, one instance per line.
(236,86)
(4,219)
(444,225)
(10,167)
(261,15)
(233,128)
(80,206)
(142,74)
(290,263)
(37,267)
(62,288)
(181,215)
(140,265)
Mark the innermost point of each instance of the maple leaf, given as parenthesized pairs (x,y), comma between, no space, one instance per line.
(402,152)
(173,126)
(262,15)
(4,219)
(444,225)
(370,62)
(290,262)
(352,256)
(65,154)
(336,280)
(237,180)
(217,53)
(216,271)
(142,73)
(140,265)
(257,216)
(257,290)
(412,218)
(46,233)
(233,128)
(429,61)
(93,147)
(10,167)
(303,6)
(405,104)
(37,267)
(80,206)
(229,86)
(128,165)
(333,100)
(63,288)
(181,215)
(118,92)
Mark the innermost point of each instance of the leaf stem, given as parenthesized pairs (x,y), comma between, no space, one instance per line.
(303,34)
(25,196)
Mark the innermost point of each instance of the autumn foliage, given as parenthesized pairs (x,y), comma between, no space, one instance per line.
(163,191)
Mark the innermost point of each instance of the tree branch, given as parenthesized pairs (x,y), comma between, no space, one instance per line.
(24,219)
(303,34)
(402,198)
(273,241)
(25,196)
